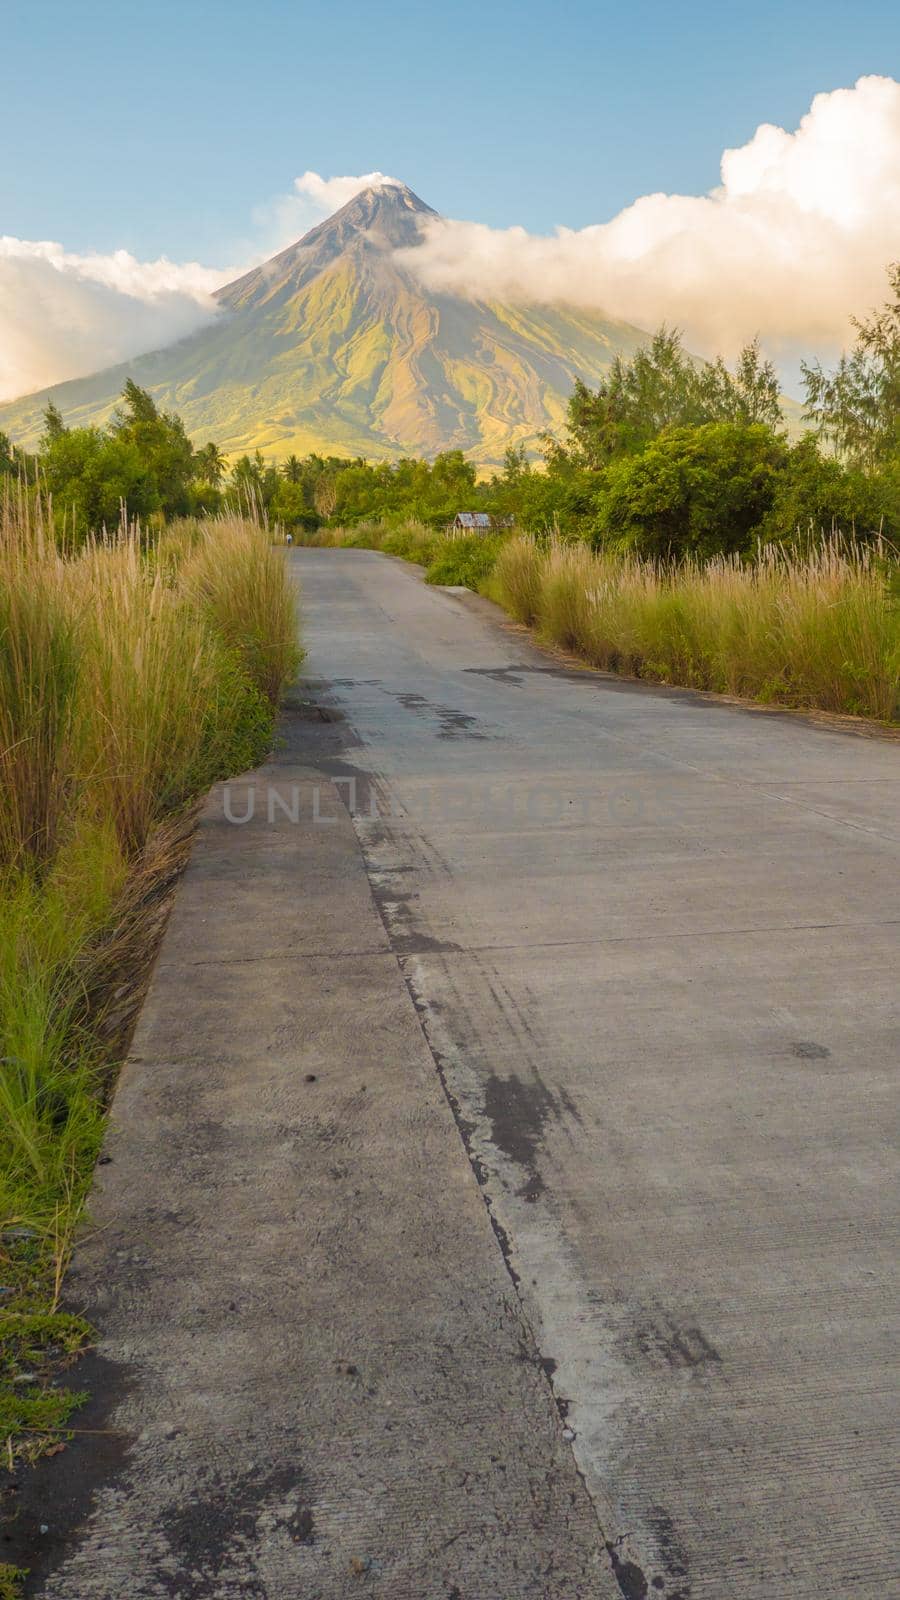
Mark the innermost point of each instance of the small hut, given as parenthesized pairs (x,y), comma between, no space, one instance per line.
(472,522)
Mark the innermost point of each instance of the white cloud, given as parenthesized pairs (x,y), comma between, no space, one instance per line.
(795,239)
(64,315)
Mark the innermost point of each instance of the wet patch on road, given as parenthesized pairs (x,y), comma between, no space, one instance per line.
(311,711)
(397,909)
(45,1508)
(807,1050)
(216,1535)
(672,1555)
(510,675)
(665,1577)
(518,1112)
(452,724)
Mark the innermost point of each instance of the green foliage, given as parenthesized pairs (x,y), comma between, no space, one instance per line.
(693,492)
(468,560)
(428,492)
(291,505)
(92,475)
(142,464)
(37,1347)
(160,441)
(209,464)
(815,493)
(11,1581)
(54,425)
(321,489)
(856,408)
(412,541)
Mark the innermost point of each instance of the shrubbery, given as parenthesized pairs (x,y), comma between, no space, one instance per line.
(468,560)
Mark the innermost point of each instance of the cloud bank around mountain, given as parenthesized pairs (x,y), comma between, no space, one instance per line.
(794,240)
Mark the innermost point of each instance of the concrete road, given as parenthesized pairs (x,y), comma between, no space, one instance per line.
(314,1378)
(653,943)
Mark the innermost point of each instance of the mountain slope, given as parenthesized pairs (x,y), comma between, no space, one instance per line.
(332,346)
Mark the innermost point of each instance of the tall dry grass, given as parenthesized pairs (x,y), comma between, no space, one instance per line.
(237,580)
(820,630)
(129,680)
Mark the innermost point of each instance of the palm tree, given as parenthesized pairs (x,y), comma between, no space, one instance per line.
(210,463)
(292,469)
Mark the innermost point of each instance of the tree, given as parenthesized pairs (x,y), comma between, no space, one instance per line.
(817,494)
(663,387)
(856,408)
(254,484)
(246,476)
(162,443)
(209,464)
(92,475)
(54,425)
(693,492)
(292,469)
(749,394)
(325,495)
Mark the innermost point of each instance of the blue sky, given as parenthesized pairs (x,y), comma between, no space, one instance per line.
(161,127)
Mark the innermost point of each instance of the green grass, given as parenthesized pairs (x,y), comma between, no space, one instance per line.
(11,1581)
(129,681)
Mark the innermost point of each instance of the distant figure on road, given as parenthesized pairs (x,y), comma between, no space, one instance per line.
(289,538)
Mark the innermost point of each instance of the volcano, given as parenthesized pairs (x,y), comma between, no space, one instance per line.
(334,346)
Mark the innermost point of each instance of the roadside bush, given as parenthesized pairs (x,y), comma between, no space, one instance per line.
(413,541)
(517,578)
(39,671)
(167,702)
(467,560)
(238,580)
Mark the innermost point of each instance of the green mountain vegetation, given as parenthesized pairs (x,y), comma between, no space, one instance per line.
(332,347)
